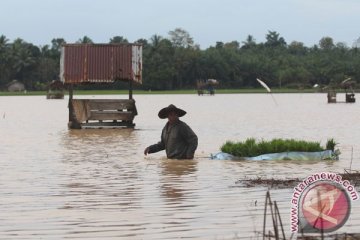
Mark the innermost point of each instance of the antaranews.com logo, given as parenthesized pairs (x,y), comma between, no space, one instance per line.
(321,203)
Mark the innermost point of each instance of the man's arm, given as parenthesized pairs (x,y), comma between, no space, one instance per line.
(192,141)
(155,147)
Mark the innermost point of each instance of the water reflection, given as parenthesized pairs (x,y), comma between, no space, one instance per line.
(178,168)
(176,176)
(100,144)
(98,168)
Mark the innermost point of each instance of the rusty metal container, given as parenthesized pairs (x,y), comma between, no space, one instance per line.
(100,63)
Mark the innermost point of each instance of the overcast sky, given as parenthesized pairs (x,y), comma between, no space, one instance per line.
(207,21)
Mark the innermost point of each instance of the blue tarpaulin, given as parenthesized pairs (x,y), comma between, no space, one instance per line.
(323,155)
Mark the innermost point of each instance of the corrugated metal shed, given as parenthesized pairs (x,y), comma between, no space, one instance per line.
(100,63)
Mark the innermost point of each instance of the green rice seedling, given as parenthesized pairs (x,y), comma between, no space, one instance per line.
(315,146)
(237,149)
(228,147)
(264,147)
(250,147)
(330,144)
(278,145)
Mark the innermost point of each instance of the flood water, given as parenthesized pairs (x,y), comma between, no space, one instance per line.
(57,183)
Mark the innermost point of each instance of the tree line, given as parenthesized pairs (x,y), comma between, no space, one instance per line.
(176,62)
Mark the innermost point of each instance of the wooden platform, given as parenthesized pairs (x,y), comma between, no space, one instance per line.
(86,113)
(83,64)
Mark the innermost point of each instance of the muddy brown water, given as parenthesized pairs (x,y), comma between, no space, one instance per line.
(57,183)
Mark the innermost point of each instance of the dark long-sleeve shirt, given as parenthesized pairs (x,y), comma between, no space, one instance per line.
(178,139)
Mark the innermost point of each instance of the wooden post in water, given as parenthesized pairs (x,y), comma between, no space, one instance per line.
(130,90)
(275,216)
(71,91)
(73,123)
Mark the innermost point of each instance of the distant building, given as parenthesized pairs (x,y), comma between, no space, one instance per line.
(15,86)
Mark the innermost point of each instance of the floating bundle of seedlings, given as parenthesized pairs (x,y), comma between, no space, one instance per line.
(251,148)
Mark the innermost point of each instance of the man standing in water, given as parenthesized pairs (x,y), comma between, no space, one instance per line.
(177,138)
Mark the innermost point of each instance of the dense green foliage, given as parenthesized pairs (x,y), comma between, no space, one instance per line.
(330,144)
(176,62)
(251,148)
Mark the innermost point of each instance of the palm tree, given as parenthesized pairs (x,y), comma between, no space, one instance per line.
(4,55)
(85,39)
(249,42)
(3,41)
(118,39)
(22,59)
(273,39)
(155,41)
(56,44)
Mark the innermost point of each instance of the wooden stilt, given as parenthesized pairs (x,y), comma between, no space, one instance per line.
(73,123)
(130,90)
(70,106)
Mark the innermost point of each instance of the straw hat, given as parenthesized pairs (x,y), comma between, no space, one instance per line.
(163,113)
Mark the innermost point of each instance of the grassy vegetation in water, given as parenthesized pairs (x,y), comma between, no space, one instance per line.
(251,148)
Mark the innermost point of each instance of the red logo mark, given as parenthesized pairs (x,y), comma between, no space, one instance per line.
(325,207)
